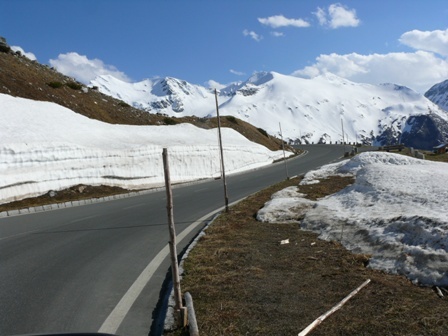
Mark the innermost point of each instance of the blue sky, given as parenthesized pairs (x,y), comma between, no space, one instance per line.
(405,42)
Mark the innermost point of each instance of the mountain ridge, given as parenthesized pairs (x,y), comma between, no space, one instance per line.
(438,94)
(309,110)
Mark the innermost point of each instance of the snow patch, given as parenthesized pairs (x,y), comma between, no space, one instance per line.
(44,146)
(285,206)
(396,211)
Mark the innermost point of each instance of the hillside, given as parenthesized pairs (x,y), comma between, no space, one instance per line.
(24,78)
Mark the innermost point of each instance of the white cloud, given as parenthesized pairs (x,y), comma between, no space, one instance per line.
(337,16)
(419,70)
(277,34)
(83,69)
(321,16)
(29,55)
(238,73)
(215,85)
(278,21)
(253,35)
(435,41)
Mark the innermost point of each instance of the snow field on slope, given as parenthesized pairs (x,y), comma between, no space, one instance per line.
(47,147)
(396,211)
(307,108)
(313,107)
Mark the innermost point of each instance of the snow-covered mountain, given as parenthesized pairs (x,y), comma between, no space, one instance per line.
(309,110)
(168,95)
(438,94)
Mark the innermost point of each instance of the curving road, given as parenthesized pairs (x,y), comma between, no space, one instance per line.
(89,269)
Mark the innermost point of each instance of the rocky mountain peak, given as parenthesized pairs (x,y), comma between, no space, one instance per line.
(260,78)
(438,94)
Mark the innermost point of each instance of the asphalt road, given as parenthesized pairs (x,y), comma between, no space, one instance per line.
(67,270)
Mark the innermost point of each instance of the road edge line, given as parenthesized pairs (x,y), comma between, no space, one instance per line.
(118,314)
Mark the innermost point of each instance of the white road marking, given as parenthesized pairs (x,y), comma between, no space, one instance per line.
(134,206)
(19,234)
(43,230)
(116,317)
(82,219)
(113,321)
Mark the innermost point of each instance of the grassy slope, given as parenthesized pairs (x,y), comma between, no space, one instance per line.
(22,77)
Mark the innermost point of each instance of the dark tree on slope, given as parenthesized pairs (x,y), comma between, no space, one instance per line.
(388,137)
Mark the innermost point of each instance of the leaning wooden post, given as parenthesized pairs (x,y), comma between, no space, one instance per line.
(283,148)
(343,139)
(226,197)
(180,310)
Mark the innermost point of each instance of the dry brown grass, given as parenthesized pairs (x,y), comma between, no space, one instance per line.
(430,156)
(436,157)
(75,193)
(244,282)
(24,78)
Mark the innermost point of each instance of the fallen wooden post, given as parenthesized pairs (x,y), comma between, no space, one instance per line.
(439,292)
(332,310)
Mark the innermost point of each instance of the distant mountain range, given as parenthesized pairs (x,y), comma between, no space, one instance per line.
(308,110)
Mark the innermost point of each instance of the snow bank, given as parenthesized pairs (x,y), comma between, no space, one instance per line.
(285,206)
(396,211)
(44,146)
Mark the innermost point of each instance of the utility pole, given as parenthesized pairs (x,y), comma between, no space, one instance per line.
(343,140)
(180,310)
(283,148)
(223,171)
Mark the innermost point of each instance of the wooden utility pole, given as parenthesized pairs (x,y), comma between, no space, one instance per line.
(223,171)
(343,140)
(283,148)
(180,310)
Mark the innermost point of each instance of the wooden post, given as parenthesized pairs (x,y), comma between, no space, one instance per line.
(317,321)
(173,250)
(226,198)
(283,148)
(343,140)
